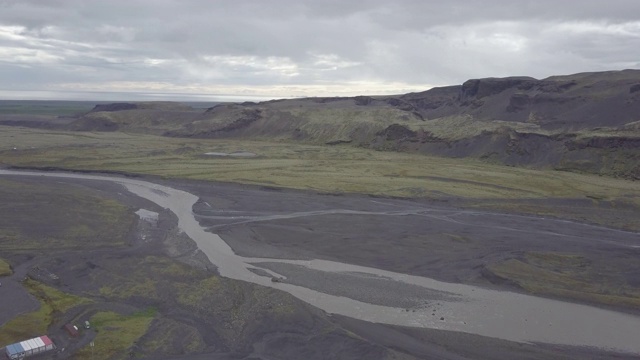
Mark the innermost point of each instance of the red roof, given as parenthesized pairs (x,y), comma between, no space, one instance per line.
(45,339)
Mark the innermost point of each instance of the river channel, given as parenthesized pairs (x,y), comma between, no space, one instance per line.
(464,308)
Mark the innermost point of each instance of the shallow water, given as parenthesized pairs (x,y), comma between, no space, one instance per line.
(504,315)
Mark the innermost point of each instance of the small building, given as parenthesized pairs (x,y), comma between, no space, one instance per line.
(29,347)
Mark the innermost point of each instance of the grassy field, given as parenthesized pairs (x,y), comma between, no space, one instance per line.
(320,168)
(5,268)
(116,334)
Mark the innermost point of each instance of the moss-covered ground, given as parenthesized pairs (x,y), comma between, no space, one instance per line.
(5,268)
(302,166)
(115,334)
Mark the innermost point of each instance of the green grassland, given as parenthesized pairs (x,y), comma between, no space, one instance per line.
(116,333)
(5,268)
(295,165)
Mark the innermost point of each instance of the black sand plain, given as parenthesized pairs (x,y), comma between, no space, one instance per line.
(450,241)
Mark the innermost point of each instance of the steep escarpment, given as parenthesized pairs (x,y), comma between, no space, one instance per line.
(573,102)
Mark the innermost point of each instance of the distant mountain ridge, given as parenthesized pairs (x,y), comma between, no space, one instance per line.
(587,122)
(560,102)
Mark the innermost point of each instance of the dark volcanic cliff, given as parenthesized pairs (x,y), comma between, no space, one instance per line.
(573,102)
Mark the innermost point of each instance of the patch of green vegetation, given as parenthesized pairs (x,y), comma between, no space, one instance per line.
(146,287)
(150,311)
(116,334)
(195,294)
(146,277)
(460,127)
(5,268)
(165,333)
(52,303)
(569,276)
(56,299)
(303,166)
(560,262)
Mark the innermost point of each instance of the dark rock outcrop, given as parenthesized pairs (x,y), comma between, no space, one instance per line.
(114,107)
(95,124)
(479,88)
(363,100)
(248,117)
(397,132)
(613,142)
(519,102)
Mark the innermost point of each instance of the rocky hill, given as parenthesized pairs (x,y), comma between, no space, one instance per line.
(143,117)
(588,122)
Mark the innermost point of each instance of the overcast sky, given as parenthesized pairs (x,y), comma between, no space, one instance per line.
(161,49)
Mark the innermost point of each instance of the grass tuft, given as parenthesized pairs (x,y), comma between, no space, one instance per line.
(5,268)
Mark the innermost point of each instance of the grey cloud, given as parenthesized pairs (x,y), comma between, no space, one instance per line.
(308,43)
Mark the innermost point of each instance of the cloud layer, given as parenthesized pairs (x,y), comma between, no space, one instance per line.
(301,48)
